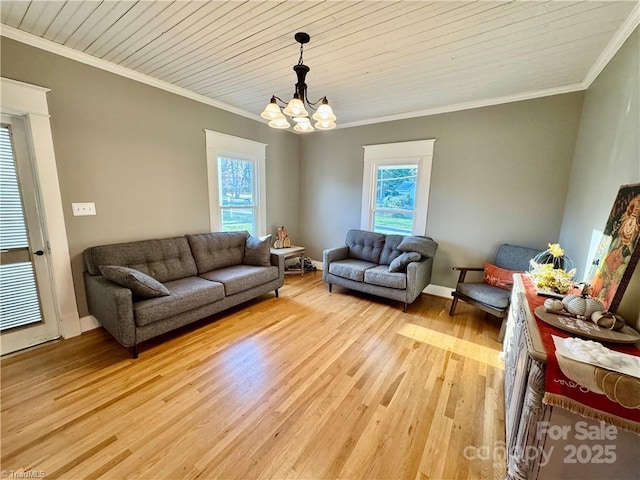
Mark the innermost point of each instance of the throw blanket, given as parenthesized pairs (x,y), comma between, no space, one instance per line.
(589,391)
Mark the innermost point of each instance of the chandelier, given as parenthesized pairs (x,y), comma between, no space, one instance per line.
(324,117)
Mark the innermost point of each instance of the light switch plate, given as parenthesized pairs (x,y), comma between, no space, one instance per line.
(82,209)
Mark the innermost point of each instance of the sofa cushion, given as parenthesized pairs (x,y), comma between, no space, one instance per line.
(185,294)
(258,252)
(140,284)
(217,249)
(365,245)
(494,296)
(381,276)
(425,246)
(400,264)
(350,268)
(241,277)
(390,250)
(163,259)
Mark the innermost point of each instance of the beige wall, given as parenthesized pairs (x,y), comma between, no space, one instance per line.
(139,153)
(607,156)
(500,174)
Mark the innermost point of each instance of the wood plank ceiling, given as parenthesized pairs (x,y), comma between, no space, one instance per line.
(371,59)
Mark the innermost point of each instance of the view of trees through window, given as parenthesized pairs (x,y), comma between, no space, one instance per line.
(395,199)
(237,194)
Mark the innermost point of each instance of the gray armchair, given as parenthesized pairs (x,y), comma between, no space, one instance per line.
(490,299)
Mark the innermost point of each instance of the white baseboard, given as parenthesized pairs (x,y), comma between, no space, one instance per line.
(88,323)
(437,290)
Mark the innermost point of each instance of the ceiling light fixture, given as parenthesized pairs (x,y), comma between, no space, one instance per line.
(324,116)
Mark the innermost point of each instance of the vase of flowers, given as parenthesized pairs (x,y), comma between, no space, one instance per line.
(552,270)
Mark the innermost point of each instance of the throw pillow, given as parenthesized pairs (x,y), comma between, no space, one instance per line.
(399,264)
(257,251)
(425,246)
(498,277)
(139,283)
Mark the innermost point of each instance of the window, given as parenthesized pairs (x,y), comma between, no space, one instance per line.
(236,183)
(395,187)
(237,194)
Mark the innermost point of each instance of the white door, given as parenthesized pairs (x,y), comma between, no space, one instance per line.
(28,313)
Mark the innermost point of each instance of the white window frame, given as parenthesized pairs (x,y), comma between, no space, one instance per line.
(228,146)
(418,153)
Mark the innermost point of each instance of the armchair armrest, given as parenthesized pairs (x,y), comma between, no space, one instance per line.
(464,270)
(112,305)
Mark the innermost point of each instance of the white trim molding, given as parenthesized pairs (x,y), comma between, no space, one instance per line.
(630,24)
(31,102)
(89,323)
(220,144)
(438,291)
(418,153)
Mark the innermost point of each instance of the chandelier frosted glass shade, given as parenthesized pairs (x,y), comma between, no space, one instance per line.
(279,123)
(324,113)
(325,125)
(296,108)
(272,111)
(304,126)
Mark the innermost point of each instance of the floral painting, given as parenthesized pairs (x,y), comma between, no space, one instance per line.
(619,251)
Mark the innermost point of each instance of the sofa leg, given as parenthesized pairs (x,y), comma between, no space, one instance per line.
(404,309)
(329,288)
(452,310)
(134,351)
(276,293)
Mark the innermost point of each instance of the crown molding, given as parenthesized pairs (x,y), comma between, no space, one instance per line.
(627,28)
(49,46)
(574,87)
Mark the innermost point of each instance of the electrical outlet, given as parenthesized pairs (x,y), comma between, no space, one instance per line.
(82,209)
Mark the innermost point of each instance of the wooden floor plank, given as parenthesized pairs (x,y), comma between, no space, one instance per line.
(309,385)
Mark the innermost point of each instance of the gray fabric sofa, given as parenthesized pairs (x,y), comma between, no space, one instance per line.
(197,276)
(368,262)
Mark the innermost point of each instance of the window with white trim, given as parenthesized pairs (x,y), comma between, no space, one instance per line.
(395,187)
(236,175)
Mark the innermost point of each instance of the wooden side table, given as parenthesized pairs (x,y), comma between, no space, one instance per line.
(291,252)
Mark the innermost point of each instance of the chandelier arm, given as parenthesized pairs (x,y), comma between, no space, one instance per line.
(312,104)
(280,100)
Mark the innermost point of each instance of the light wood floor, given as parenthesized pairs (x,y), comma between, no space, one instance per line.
(309,385)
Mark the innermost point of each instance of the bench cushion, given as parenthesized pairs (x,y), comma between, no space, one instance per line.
(185,294)
(381,276)
(351,268)
(239,278)
(488,294)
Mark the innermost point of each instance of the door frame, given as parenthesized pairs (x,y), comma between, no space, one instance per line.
(30,101)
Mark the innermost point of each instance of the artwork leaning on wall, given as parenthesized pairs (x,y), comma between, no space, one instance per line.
(619,250)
